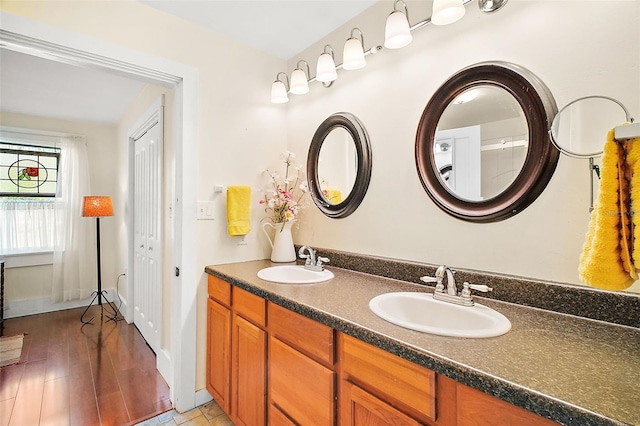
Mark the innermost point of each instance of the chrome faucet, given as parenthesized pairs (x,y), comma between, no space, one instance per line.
(451,293)
(312,262)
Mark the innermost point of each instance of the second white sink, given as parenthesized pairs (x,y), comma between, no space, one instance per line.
(421,312)
(293,274)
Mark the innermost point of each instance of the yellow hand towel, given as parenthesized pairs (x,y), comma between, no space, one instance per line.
(238,210)
(602,263)
(632,150)
(334,196)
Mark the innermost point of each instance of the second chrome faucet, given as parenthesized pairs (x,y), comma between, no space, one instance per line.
(450,293)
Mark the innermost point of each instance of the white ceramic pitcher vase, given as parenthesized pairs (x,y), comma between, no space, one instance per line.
(282,249)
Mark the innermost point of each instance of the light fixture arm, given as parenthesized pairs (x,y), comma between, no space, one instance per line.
(361,36)
(404,5)
(307,65)
(286,79)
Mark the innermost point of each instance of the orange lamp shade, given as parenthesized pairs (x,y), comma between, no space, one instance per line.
(97,206)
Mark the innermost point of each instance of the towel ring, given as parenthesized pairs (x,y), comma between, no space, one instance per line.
(593,167)
(555,127)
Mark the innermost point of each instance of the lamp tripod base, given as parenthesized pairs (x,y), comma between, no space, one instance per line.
(108,311)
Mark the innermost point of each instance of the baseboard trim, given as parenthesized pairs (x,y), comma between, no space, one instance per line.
(41,305)
(202,397)
(163,364)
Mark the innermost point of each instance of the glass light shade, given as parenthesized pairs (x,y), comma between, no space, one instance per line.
(279,93)
(397,33)
(447,11)
(326,69)
(299,82)
(97,206)
(353,55)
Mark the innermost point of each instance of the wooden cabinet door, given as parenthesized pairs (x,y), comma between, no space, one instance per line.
(218,353)
(299,386)
(475,408)
(248,373)
(360,408)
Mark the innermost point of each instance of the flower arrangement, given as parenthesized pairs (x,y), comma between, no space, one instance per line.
(282,200)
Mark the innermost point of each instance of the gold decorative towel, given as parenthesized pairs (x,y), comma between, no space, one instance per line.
(632,150)
(334,196)
(606,256)
(238,210)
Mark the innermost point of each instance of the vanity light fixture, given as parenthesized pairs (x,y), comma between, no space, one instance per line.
(326,68)
(279,90)
(447,12)
(397,32)
(300,80)
(353,52)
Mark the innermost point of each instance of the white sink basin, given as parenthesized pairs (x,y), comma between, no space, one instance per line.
(421,312)
(293,274)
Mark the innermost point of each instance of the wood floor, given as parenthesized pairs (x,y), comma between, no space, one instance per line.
(98,374)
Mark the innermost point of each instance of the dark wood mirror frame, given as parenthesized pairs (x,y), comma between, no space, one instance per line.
(358,133)
(542,157)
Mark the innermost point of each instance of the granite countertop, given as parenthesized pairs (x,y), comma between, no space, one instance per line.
(573,370)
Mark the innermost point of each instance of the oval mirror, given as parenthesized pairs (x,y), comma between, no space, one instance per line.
(339,165)
(482,149)
(580,128)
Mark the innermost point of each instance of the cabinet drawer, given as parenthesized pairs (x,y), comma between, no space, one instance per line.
(308,336)
(219,290)
(391,378)
(250,306)
(300,387)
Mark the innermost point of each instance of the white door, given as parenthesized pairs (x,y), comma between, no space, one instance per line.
(147,297)
(462,146)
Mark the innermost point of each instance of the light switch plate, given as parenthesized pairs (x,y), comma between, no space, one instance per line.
(205,210)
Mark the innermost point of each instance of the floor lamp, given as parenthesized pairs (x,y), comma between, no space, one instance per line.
(98,207)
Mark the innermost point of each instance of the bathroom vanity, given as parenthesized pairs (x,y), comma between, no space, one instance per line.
(316,354)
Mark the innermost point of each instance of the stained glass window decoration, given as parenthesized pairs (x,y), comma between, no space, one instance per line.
(28,170)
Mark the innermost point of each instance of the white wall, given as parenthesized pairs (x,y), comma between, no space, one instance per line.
(577,48)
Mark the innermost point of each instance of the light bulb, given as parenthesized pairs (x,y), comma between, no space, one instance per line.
(326,69)
(279,93)
(447,11)
(353,55)
(397,33)
(299,82)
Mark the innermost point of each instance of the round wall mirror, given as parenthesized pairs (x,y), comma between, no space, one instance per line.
(482,149)
(339,165)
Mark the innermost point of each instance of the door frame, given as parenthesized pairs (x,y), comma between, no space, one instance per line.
(153,116)
(35,38)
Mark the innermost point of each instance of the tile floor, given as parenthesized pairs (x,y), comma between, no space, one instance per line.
(204,415)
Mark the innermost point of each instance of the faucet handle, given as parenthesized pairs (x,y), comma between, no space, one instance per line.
(478,287)
(437,280)
(466,290)
(320,260)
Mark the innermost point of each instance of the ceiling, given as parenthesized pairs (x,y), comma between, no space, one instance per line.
(283,28)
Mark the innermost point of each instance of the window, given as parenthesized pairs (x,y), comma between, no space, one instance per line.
(28,186)
(28,170)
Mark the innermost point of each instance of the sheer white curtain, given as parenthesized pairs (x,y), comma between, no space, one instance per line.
(26,226)
(74,256)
